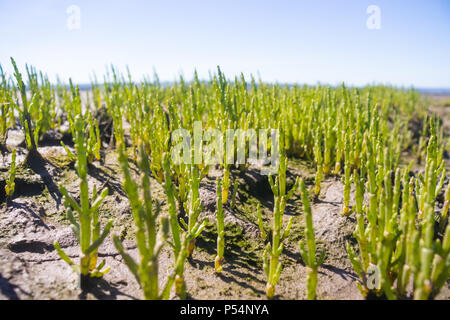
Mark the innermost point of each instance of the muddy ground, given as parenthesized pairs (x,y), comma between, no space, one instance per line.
(31,269)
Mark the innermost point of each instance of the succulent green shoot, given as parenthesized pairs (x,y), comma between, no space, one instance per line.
(149,241)
(220,229)
(308,249)
(10,184)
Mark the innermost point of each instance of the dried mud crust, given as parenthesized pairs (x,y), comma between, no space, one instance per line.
(31,269)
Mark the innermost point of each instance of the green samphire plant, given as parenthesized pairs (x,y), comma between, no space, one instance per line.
(219,260)
(347,181)
(431,259)
(430,252)
(377,238)
(226,183)
(181,237)
(399,248)
(261,222)
(319,163)
(6,111)
(91,128)
(444,212)
(10,184)
(308,249)
(193,206)
(149,241)
(271,259)
(24,108)
(85,222)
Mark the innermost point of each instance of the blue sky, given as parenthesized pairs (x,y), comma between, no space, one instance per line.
(285,41)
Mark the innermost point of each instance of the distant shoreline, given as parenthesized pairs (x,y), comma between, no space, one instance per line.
(427,91)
